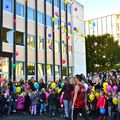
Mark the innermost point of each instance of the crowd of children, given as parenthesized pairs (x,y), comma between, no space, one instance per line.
(39,98)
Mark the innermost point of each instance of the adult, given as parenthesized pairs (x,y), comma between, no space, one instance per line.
(42,84)
(79,99)
(67,98)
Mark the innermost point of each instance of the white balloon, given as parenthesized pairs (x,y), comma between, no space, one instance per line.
(86,86)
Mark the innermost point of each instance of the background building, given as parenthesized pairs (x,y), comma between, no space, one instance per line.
(41,38)
(102,25)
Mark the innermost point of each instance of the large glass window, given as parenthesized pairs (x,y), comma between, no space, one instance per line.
(19,68)
(49,69)
(30,69)
(64,48)
(56,3)
(40,70)
(70,49)
(57,70)
(20,9)
(56,24)
(40,18)
(69,8)
(8,5)
(49,1)
(49,44)
(62,5)
(56,47)
(40,43)
(31,41)
(64,70)
(31,14)
(49,21)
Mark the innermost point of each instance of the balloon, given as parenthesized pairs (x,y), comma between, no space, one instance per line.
(46,95)
(105,84)
(18,89)
(90,22)
(75,8)
(95,44)
(62,84)
(1,80)
(56,13)
(14,88)
(115,88)
(97,94)
(68,37)
(59,90)
(115,101)
(16,53)
(74,28)
(14,66)
(50,47)
(108,88)
(93,88)
(63,61)
(53,85)
(14,21)
(102,111)
(86,86)
(69,23)
(49,35)
(53,19)
(93,24)
(36,85)
(7,6)
(91,97)
(104,89)
(27,87)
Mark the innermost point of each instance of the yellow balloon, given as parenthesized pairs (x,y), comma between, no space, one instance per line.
(18,89)
(104,89)
(90,21)
(77,31)
(93,88)
(53,85)
(66,2)
(97,94)
(91,97)
(105,84)
(65,30)
(115,101)
(53,19)
(59,90)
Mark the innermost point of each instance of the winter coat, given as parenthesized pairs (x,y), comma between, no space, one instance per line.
(101,103)
(34,100)
(20,102)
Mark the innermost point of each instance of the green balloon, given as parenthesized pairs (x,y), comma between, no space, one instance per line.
(62,84)
(14,66)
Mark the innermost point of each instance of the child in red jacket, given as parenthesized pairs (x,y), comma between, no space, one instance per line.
(101,103)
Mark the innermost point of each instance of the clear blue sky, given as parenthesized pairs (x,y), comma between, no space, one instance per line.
(97,8)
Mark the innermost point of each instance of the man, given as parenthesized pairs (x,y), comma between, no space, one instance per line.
(79,99)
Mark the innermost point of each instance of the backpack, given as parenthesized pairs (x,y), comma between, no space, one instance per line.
(80,101)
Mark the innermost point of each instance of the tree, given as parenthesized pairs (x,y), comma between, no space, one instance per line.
(102,53)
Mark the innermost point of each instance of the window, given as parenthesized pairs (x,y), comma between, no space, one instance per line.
(49,1)
(49,21)
(40,43)
(49,44)
(19,38)
(31,41)
(30,69)
(64,48)
(40,70)
(20,9)
(69,8)
(57,70)
(64,70)
(70,71)
(49,69)
(31,14)
(8,5)
(19,68)
(40,18)
(56,3)
(56,47)
(62,5)
(56,24)
(70,49)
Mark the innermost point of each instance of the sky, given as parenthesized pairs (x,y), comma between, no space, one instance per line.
(98,8)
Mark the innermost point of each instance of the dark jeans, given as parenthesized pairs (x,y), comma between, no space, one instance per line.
(52,109)
(118,116)
(76,111)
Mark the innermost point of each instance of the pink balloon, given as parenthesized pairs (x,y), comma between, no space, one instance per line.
(108,88)
(115,88)
(46,95)
(1,80)
(27,87)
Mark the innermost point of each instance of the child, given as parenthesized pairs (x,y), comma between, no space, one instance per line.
(52,101)
(101,103)
(61,104)
(34,102)
(118,117)
(20,102)
(42,101)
